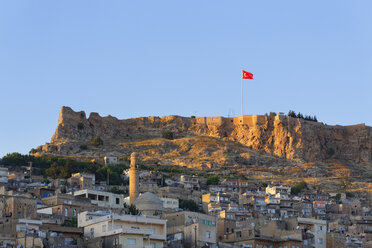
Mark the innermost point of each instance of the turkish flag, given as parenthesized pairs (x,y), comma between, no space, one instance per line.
(247,75)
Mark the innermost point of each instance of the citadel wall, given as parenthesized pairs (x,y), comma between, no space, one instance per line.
(250,120)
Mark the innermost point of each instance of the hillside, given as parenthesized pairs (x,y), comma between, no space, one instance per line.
(284,138)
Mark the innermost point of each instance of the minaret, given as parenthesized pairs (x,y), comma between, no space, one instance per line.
(133,179)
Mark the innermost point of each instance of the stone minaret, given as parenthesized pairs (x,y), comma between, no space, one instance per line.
(133,179)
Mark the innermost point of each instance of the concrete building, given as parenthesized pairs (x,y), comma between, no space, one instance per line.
(3,175)
(82,180)
(190,182)
(314,232)
(194,226)
(65,210)
(133,179)
(170,203)
(110,160)
(124,230)
(273,190)
(101,198)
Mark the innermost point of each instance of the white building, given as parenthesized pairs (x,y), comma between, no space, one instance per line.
(125,230)
(170,203)
(110,160)
(101,198)
(273,190)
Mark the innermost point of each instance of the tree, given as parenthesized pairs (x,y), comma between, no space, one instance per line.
(338,197)
(96,141)
(189,205)
(291,113)
(70,223)
(213,180)
(83,147)
(133,210)
(167,135)
(298,187)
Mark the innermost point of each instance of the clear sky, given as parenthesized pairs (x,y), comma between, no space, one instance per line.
(144,58)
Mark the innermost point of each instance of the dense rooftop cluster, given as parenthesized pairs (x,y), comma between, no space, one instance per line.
(174,209)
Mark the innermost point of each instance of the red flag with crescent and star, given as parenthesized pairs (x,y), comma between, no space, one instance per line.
(247,75)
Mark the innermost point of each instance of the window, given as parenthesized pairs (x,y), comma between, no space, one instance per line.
(104,228)
(131,241)
(320,241)
(58,211)
(208,235)
(320,228)
(92,232)
(66,212)
(153,245)
(116,241)
(75,212)
(117,201)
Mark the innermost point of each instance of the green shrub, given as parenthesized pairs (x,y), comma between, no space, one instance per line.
(213,180)
(298,187)
(188,205)
(96,141)
(83,147)
(167,135)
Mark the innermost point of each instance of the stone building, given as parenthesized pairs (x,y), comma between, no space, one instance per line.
(19,207)
(82,180)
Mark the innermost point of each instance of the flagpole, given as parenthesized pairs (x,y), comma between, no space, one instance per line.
(242,96)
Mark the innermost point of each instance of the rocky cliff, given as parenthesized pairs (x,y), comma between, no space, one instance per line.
(284,137)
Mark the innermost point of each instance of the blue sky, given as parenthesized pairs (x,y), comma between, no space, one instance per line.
(144,58)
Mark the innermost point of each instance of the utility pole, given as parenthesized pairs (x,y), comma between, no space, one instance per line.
(30,169)
(195,234)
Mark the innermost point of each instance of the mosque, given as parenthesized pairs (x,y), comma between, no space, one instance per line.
(147,203)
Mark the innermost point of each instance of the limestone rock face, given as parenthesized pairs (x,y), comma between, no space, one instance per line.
(284,137)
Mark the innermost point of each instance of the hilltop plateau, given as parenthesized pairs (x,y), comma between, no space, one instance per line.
(279,137)
(256,147)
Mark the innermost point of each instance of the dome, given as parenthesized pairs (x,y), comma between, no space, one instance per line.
(148,202)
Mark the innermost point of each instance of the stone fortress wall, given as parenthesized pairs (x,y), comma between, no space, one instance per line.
(250,120)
